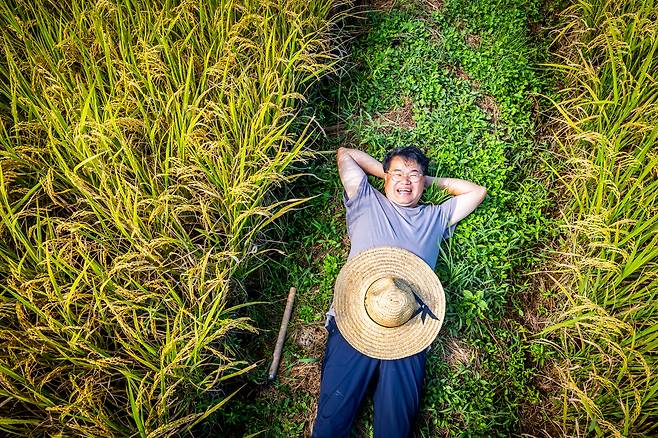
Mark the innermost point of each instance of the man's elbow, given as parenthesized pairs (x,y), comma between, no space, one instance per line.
(482,193)
(341,153)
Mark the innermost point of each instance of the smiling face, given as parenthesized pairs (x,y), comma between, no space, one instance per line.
(404,192)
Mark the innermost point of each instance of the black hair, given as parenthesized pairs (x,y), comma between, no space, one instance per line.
(407,153)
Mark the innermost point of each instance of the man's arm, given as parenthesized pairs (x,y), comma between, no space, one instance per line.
(468,195)
(353,164)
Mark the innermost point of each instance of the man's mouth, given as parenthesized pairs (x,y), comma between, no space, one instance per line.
(404,191)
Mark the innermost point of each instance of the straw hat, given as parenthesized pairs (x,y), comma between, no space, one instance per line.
(389,303)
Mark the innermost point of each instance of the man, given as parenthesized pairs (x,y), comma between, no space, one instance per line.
(393,220)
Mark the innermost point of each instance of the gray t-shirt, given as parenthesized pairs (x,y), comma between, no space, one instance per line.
(374,221)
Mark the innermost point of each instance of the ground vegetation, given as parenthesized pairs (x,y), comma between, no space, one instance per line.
(459,81)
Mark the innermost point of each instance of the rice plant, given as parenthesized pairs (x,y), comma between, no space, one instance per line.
(140,144)
(607,269)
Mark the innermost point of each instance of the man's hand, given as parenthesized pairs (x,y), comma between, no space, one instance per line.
(468,195)
(353,164)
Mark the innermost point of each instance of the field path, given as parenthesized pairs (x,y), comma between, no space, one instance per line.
(456,80)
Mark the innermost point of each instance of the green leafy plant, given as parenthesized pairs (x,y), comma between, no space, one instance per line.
(413,78)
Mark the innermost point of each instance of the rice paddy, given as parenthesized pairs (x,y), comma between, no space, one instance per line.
(167,173)
(141,147)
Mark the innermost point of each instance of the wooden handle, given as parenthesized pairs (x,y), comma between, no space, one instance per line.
(282,334)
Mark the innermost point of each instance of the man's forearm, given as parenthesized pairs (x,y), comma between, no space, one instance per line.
(369,165)
(454,186)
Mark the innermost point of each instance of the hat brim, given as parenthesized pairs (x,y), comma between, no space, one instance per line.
(363,333)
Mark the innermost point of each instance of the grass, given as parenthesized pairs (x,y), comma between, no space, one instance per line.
(606,318)
(151,185)
(141,148)
(416,75)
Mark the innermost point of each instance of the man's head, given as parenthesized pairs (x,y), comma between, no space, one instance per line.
(404,180)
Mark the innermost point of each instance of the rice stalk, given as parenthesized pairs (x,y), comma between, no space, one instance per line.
(605,331)
(140,147)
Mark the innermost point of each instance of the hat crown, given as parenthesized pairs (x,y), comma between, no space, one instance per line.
(356,302)
(390,302)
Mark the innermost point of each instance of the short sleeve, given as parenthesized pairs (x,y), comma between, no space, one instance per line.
(360,192)
(445,211)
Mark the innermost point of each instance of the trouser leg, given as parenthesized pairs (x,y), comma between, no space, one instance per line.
(397,395)
(345,377)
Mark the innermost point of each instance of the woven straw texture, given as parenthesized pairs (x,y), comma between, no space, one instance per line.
(353,321)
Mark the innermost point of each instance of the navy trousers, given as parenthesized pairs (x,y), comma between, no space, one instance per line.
(346,376)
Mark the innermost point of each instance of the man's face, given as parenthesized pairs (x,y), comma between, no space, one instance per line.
(404,192)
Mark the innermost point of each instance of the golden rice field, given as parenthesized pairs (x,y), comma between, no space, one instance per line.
(140,144)
(606,268)
(145,152)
